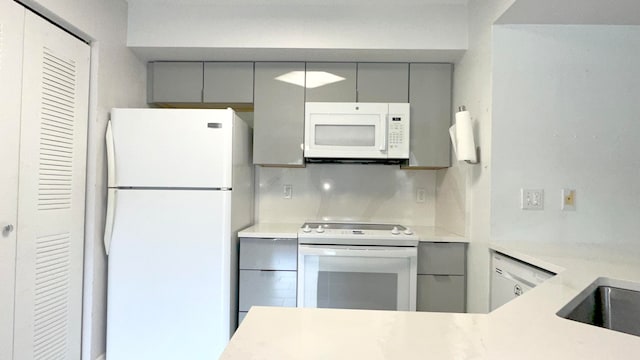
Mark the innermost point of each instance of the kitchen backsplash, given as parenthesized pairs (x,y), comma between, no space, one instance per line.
(381,193)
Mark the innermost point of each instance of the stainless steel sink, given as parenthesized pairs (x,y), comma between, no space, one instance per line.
(607,303)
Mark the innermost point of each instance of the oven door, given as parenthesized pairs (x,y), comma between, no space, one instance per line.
(346,130)
(357,277)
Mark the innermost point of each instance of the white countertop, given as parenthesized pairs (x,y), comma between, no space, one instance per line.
(525,328)
(271,230)
(290,231)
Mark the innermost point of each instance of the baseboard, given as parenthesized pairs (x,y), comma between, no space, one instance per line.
(102,356)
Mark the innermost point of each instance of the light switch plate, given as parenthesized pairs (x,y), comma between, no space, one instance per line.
(532,199)
(421,195)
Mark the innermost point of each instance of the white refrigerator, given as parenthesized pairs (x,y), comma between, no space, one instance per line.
(180,186)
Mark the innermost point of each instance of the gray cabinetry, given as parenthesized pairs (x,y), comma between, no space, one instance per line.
(267,273)
(228,83)
(441,277)
(184,82)
(278,114)
(383,82)
(341,90)
(174,82)
(430,98)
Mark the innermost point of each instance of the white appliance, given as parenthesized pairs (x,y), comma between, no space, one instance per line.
(357,266)
(356,131)
(511,278)
(180,187)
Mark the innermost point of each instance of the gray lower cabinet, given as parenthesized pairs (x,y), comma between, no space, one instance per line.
(342,87)
(430,87)
(383,82)
(441,293)
(268,273)
(441,277)
(278,130)
(174,82)
(228,83)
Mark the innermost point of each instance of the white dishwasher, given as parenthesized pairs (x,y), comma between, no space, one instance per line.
(511,278)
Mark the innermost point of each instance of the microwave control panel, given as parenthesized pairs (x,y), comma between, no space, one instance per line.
(398,131)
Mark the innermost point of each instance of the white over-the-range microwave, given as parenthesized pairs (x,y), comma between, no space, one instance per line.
(356,131)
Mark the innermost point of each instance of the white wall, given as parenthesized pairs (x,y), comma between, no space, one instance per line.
(191,27)
(117,80)
(464,190)
(382,193)
(566,114)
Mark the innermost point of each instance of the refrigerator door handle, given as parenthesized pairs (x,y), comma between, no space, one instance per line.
(108,226)
(111,165)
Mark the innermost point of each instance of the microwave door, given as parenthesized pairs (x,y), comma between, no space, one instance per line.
(362,135)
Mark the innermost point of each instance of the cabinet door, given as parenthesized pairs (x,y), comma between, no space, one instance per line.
(430,98)
(278,129)
(174,82)
(441,258)
(11,38)
(228,83)
(267,288)
(441,293)
(331,82)
(383,82)
(51,196)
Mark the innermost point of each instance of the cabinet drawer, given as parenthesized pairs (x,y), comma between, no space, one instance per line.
(268,254)
(441,293)
(441,258)
(267,288)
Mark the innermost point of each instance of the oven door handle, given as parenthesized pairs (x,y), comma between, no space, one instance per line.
(361,251)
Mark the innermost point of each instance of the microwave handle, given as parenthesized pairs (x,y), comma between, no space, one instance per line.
(383,144)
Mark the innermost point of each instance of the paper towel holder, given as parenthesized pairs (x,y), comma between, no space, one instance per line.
(462,131)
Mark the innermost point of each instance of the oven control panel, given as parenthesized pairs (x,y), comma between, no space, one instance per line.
(356,234)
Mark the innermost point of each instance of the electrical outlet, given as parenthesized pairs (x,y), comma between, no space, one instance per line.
(568,200)
(531,199)
(421,195)
(287,191)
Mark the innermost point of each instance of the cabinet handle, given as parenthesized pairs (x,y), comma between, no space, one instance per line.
(7,229)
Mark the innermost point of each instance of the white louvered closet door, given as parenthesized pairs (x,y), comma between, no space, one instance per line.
(51,198)
(11,28)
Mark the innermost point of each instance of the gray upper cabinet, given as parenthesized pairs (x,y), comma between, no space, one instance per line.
(339,91)
(383,82)
(278,130)
(174,82)
(228,82)
(430,98)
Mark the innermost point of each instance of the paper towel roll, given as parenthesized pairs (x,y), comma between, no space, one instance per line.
(466,147)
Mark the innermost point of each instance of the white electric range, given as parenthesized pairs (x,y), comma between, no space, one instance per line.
(357,266)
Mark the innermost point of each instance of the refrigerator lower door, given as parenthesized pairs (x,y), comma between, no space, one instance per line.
(169,275)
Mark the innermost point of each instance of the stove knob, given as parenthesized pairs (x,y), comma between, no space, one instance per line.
(306,229)
(408,231)
(395,231)
(320,229)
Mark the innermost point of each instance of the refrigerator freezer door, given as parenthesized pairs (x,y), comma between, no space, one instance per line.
(170,148)
(169,275)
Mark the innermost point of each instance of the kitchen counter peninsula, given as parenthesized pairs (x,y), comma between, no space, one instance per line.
(525,328)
